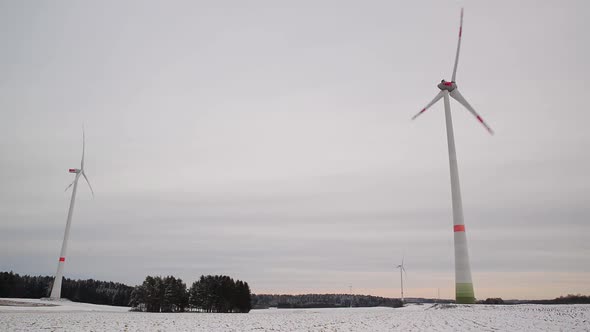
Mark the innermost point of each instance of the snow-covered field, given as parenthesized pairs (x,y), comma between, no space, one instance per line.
(71,316)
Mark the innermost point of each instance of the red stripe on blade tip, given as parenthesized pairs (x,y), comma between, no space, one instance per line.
(459,228)
(62,259)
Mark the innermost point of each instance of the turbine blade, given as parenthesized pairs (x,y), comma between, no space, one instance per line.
(458,97)
(83,148)
(68,187)
(458,48)
(85,177)
(436,98)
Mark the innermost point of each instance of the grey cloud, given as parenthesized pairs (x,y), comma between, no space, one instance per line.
(272,142)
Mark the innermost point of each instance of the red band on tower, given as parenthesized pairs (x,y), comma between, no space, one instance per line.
(459,228)
(62,259)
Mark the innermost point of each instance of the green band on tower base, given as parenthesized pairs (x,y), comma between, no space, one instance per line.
(464,293)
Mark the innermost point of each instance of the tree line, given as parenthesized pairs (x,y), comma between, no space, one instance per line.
(13,285)
(208,294)
(491,300)
(156,294)
(569,299)
(264,301)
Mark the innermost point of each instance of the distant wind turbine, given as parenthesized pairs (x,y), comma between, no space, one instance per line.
(402,269)
(463,282)
(56,289)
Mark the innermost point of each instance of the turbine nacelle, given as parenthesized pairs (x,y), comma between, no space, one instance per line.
(449,86)
(74,170)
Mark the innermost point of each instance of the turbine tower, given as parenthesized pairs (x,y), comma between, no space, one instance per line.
(463,283)
(56,289)
(401,278)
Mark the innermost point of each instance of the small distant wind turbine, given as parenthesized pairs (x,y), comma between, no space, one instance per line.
(402,269)
(56,289)
(463,282)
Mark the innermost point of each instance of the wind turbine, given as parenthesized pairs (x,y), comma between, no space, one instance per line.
(56,289)
(401,277)
(463,283)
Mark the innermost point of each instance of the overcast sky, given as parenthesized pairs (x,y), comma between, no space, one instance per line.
(271,141)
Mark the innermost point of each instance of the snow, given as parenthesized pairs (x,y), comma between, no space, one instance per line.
(47,305)
(71,316)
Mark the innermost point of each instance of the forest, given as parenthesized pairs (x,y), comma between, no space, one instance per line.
(12,285)
(263,301)
(155,294)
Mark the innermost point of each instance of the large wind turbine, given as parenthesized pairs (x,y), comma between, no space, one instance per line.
(463,283)
(56,290)
(401,277)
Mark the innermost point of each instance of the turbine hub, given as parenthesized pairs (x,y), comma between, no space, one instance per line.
(449,86)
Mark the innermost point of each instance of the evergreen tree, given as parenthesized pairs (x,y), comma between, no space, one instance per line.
(175,295)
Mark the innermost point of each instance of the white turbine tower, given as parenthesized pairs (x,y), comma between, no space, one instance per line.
(402,269)
(463,283)
(56,289)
